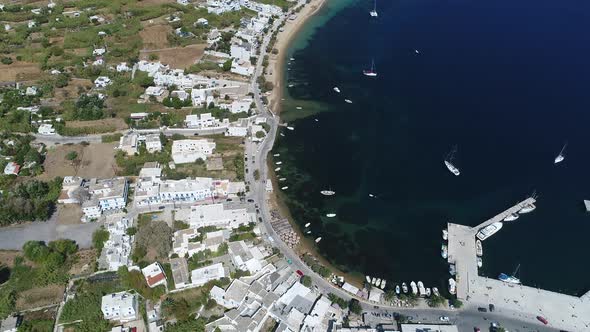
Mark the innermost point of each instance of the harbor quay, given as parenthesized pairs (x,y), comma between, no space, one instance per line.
(562,311)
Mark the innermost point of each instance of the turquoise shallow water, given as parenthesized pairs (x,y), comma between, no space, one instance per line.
(504,82)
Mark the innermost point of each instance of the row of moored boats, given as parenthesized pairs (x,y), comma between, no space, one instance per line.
(415,288)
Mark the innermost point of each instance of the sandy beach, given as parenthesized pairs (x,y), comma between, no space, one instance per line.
(274,74)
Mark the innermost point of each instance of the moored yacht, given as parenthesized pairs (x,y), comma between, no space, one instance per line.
(277,169)
(373,12)
(527,208)
(378,282)
(336,89)
(373,281)
(371,72)
(449,162)
(435,291)
(397,289)
(478,248)
(368,279)
(383,284)
(318,239)
(511,217)
(404,287)
(285,188)
(428,292)
(452,286)
(421,289)
(414,288)
(307,225)
(327,192)
(290,128)
(489,230)
(445,234)
(452,269)
(479,262)
(444,251)
(561,156)
(348,101)
(331,215)
(511,279)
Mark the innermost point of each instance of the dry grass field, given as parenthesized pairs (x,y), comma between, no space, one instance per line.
(18,70)
(155,36)
(176,57)
(96,160)
(38,297)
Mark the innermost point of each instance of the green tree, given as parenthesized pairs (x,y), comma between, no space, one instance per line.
(260,134)
(256,175)
(456,303)
(355,307)
(72,155)
(227,65)
(131,231)
(7,302)
(88,108)
(99,237)
(306,281)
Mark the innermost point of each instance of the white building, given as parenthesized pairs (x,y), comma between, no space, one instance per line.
(200,121)
(246,258)
(216,215)
(182,244)
(154,275)
(11,168)
(71,190)
(186,190)
(117,249)
(238,106)
(31,91)
(99,51)
(189,150)
(129,143)
(46,129)
(151,67)
(120,307)
(242,67)
(238,128)
(106,195)
(156,91)
(180,94)
(205,274)
(241,52)
(153,143)
(122,67)
(102,82)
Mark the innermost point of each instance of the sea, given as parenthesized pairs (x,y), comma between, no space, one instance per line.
(504,83)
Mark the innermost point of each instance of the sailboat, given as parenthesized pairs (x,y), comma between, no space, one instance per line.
(560,157)
(511,279)
(373,12)
(371,72)
(449,162)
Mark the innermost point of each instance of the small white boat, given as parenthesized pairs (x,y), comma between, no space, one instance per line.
(560,157)
(378,282)
(449,162)
(371,195)
(452,286)
(292,59)
(489,230)
(511,217)
(277,169)
(299,107)
(368,279)
(421,289)
(435,291)
(308,232)
(290,128)
(416,51)
(282,134)
(331,215)
(316,120)
(479,262)
(452,269)
(276,155)
(285,188)
(404,287)
(348,101)
(278,162)
(371,72)
(527,209)
(444,251)
(445,234)
(428,292)
(318,239)
(282,179)
(397,289)
(383,284)
(478,248)
(373,12)
(327,192)
(373,281)
(307,225)
(291,85)
(336,89)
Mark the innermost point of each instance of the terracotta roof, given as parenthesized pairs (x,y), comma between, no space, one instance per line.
(152,280)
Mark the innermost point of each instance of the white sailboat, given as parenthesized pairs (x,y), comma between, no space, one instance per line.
(560,157)
(449,162)
(371,72)
(373,12)
(511,217)
(397,289)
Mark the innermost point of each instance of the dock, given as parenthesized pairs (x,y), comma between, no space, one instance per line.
(563,311)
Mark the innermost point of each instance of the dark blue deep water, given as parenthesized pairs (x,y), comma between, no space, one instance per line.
(506,81)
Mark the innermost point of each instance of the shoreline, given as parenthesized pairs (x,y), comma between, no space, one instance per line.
(276,74)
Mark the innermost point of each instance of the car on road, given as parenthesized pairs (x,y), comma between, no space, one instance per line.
(491,307)
(250,200)
(482,309)
(228,200)
(162,207)
(300,273)
(444,318)
(542,320)
(476,329)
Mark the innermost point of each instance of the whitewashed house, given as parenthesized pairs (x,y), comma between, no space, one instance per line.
(189,150)
(122,307)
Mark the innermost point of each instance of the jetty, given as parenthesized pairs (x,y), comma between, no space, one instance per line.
(562,311)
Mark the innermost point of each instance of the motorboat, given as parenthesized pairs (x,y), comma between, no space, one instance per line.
(435,291)
(452,286)
(290,128)
(452,269)
(373,281)
(291,85)
(348,101)
(327,192)
(397,289)
(444,251)
(371,195)
(373,12)
(527,208)
(489,230)
(282,179)
(478,248)
(278,163)
(277,169)
(428,292)
(336,89)
(283,135)
(414,288)
(404,287)
(307,225)
(378,282)
(511,217)
(421,289)
(445,234)
(383,282)
(299,107)
(292,59)
(479,262)
(285,188)
(368,279)
(449,162)
(331,215)
(276,155)
(318,239)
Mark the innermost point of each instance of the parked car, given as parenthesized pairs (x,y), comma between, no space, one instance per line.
(444,318)
(491,307)
(476,329)
(250,200)
(300,273)
(482,309)
(542,320)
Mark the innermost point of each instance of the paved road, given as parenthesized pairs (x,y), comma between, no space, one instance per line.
(14,237)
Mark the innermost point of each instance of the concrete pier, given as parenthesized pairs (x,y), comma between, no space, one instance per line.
(562,311)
